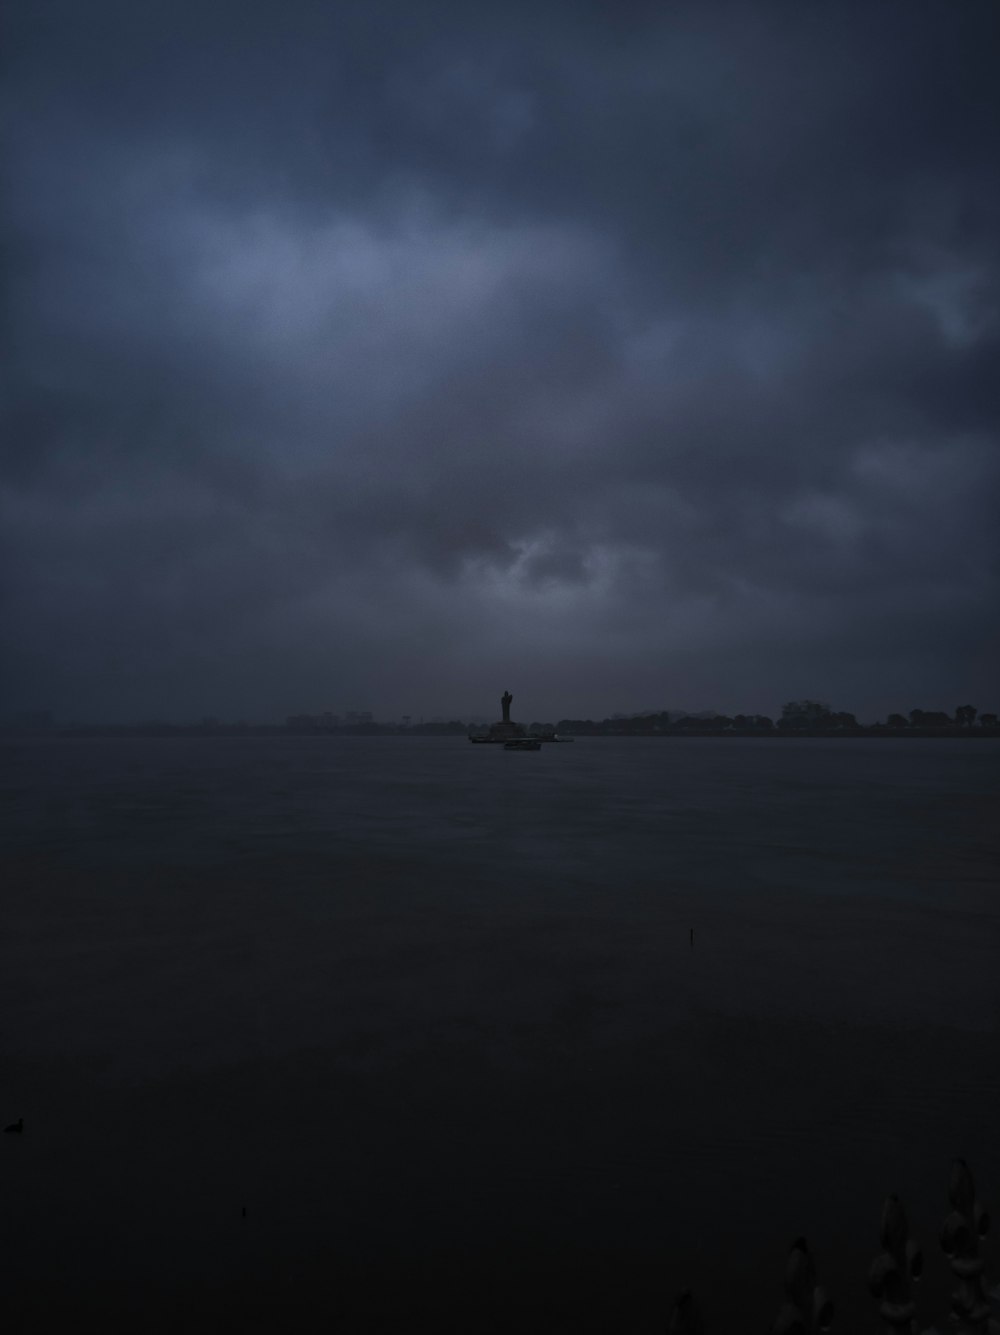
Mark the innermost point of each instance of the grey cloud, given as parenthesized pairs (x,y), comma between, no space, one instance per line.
(378,350)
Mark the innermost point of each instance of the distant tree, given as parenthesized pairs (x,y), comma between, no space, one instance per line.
(763,722)
(965,715)
(544,728)
(896,721)
(720,722)
(929,718)
(804,714)
(843,720)
(987,720)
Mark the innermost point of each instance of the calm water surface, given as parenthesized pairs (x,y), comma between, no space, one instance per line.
(431,1013)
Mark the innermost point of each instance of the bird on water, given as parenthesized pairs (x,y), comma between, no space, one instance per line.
(16,1127)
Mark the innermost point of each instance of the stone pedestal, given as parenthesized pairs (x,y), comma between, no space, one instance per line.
(507,731)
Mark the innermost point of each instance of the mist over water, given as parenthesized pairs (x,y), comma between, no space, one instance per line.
(432,1014)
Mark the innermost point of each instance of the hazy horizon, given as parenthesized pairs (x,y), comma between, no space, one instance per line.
(387,357)
(347,716)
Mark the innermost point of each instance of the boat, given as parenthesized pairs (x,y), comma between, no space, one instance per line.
(523,744)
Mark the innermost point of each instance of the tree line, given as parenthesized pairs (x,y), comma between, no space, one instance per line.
(797,717)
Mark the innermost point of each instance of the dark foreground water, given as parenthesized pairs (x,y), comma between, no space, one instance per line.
(431,1013)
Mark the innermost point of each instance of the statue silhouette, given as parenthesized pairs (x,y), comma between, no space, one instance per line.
(505,700)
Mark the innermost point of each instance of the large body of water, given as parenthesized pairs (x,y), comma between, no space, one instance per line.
(431,1013)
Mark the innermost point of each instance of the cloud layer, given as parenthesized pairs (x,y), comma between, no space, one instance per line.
(381,357)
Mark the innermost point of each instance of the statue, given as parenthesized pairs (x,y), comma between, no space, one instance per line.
(504,731)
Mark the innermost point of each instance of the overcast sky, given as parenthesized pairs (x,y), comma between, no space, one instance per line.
(388,355)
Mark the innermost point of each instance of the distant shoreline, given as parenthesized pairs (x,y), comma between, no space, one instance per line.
(975,733)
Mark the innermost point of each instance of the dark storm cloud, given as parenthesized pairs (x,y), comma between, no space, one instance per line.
(357,355)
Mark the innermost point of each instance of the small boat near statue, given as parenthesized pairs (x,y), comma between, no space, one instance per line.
(523,744)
